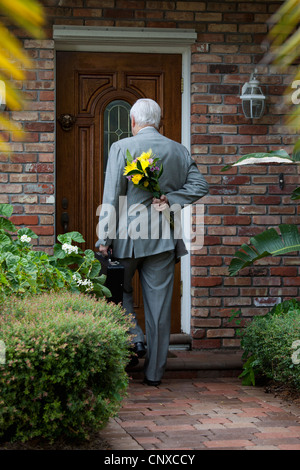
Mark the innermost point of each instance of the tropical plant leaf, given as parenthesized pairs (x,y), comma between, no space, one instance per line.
(296,152)
(295,194)
(275,156)
(267,243)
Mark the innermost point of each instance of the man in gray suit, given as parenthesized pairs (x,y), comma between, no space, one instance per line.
(132,224)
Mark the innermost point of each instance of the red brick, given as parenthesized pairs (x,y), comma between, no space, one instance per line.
(206,261)
(221,210)
(206,139)
(291,281)
(206,343)
(267,200)
(284,271)
(10,188)
(236,180)
(253,129)
(24,220)
(236,220)
(207,281)
(266,220)
(225,89)
(43,230)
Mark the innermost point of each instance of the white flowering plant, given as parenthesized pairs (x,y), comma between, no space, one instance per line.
(85,268)
(25,270)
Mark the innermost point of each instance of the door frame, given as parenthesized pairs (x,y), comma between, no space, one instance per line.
(144,40)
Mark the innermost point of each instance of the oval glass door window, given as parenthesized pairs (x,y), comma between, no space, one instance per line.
(117,124)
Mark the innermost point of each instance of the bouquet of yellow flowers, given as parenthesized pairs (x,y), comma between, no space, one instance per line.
(144,172)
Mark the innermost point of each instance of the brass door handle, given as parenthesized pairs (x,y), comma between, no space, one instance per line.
(66,121)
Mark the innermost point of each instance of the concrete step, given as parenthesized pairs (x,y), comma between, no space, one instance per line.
(189,364)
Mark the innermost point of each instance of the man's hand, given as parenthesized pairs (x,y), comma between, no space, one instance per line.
(160,204)
(104,250)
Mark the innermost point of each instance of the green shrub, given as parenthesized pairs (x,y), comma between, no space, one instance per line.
(24,270)
(271,344)
(64,369)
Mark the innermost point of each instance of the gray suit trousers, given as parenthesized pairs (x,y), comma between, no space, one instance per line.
(157,277)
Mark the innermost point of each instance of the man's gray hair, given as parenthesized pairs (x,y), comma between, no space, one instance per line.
(146,112)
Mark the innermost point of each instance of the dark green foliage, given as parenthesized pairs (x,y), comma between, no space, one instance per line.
(64,369)
(271,345)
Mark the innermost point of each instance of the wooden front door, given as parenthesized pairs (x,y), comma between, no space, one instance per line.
(94,94)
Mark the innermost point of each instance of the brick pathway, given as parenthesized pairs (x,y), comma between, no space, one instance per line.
(203,414)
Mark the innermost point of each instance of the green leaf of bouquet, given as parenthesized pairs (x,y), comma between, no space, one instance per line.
(134,172)
(139,166)
(6,210)
(129,156)
(160,171)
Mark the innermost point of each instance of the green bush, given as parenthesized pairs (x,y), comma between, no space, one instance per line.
(24,270)
(272,345)
(64,369)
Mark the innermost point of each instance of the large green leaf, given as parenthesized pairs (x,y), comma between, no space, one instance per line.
(267,243)
(6,210)
(296,152)
(276,156)
(295,194)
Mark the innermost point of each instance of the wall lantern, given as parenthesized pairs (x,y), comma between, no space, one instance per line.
(2,96)
(253,99)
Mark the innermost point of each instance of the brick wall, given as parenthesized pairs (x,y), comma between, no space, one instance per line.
(27,176)
(241,202)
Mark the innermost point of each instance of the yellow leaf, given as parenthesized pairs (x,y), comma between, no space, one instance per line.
(29,15)
(10,46)
(10,69)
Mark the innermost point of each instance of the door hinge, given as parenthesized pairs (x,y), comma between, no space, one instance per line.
(182,85)
(181,288)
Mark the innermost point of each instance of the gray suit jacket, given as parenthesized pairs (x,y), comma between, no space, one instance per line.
(181,181)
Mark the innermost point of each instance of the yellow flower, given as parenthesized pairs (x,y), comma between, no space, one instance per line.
(129,167)
(144,162)
(136,178)
(146,183)
(145,155)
